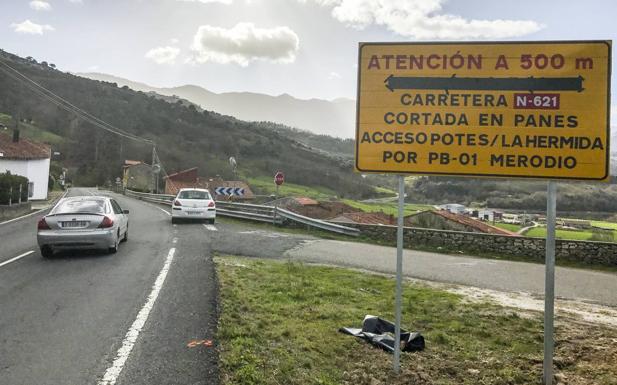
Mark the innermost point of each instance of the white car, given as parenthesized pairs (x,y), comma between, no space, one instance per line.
(193,203)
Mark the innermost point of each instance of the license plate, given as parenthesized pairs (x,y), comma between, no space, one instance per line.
(75,224)
(193,212)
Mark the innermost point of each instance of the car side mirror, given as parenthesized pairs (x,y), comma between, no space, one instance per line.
(125,211)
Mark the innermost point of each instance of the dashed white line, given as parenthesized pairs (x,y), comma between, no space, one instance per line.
(211,227)
(175,240)
(17,258)
(113,372)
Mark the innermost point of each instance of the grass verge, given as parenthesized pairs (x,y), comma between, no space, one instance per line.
(279,322)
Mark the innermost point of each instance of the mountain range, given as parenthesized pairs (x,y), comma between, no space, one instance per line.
(335,118)
(97,125)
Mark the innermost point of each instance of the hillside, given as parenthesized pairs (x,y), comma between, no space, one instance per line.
(515,194)
(185,136)
(335,118)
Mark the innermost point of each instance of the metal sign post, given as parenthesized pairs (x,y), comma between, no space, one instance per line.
(549,283)
(399,274)
(279,179)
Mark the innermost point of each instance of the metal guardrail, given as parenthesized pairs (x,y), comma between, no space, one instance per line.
(253,212)
(324,225)
(155,198)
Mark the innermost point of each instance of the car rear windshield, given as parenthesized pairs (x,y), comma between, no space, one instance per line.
(93,206)
(193,194)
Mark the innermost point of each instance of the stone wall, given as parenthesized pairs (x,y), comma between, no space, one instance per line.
(14,211)
(600,253)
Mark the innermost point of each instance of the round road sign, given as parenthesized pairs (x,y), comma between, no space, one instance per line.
(279,178)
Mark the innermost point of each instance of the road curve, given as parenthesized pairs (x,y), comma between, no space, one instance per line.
(62,320)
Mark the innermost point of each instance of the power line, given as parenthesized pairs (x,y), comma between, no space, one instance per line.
(69,107)
(80,113)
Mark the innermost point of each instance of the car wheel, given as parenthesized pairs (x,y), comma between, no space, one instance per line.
(174,220)
(114,248)
(47,252)
(126,235)
(211,221)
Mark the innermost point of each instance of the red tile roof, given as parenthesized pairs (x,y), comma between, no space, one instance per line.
(23,149)
(188,175)
(474,223)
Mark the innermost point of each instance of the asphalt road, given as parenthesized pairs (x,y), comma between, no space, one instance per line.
(64,320)
(578,284)
(147,315)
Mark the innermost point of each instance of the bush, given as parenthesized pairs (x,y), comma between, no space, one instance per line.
(6,182)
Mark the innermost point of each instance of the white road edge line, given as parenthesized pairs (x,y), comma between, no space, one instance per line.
(16,258)
(211,227)
(165,211)
(113,372)
(36,212)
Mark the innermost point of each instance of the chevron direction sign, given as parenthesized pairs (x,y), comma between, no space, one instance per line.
(232,191)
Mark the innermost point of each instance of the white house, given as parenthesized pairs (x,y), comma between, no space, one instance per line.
(26,158)
(454,208)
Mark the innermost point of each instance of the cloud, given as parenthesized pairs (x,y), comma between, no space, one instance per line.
(163,55)
(334,75)
(244,43)
(76,1)
(422,19)
(40,5)
(31,28)
(208,1)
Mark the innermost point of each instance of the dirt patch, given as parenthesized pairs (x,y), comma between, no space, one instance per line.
(564,309)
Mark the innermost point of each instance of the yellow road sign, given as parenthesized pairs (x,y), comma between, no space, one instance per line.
(504,109)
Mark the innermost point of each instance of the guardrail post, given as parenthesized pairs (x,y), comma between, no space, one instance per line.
(11,196)
(19,199)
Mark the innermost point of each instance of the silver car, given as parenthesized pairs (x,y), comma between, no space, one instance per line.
(84,222)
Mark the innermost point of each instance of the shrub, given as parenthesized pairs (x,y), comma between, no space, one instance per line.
(6,182)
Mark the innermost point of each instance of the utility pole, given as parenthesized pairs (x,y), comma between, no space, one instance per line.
(153,173)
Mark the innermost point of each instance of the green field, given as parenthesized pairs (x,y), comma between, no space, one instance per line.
(279,324)
(578,235)
(385,191)
(390,208)
(604,225)
(30,131)
(265,186)
(507,226)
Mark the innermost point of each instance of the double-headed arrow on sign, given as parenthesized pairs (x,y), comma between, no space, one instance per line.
(530,83)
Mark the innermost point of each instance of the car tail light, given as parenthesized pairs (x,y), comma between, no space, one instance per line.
(42,225)
(211,204)
(107,222)
(177,203)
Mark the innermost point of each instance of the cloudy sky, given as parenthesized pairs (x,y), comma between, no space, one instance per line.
(306,48)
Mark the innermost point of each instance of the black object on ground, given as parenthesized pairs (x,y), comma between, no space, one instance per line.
(380,332)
